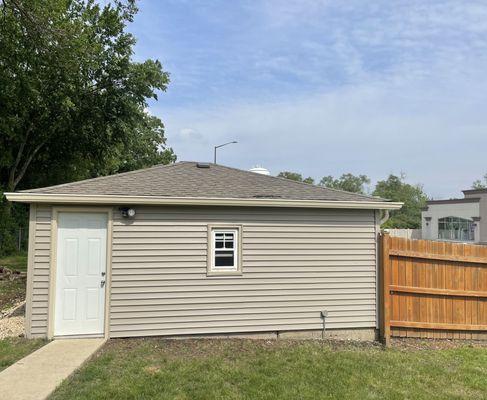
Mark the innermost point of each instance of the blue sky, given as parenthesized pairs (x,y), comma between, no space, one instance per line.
(325,87)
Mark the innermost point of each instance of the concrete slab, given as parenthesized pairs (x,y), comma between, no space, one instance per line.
(36,376)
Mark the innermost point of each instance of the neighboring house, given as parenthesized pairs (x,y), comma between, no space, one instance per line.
(199,249)
(462,220)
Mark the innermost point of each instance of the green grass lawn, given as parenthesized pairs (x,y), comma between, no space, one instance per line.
(13,291)
(13,349)
(17,262)
(245,369)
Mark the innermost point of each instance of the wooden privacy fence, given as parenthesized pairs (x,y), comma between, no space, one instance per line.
(433,289)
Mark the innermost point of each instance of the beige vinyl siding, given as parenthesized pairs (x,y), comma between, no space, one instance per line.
(296,262)
(40,274)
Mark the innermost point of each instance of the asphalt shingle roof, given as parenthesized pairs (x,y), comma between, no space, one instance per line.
(186,179)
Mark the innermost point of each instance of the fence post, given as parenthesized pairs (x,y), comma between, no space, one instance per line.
(385,295)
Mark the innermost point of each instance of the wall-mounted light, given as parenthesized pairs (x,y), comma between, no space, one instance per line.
(427,219)
(127,212)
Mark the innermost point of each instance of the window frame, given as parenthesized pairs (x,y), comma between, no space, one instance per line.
(470,224)
(211,270)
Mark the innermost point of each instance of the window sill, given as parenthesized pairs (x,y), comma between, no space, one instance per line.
(224,273)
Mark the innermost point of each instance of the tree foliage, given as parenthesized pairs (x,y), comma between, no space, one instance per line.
(480,183)
(348,182)
(294,176)
(394,188)
(72,101)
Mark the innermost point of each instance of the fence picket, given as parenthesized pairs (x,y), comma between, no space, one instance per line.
(433,289)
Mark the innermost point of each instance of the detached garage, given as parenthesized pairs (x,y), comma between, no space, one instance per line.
(198,249)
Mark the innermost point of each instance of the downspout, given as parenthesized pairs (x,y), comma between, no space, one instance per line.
(385,217)
(379,233)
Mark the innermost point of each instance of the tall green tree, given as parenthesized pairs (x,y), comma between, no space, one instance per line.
(294,176)
(72,101)
(348,182)
(72,98)
(394,188)
(480,183)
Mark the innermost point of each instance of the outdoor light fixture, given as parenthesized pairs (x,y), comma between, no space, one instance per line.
(127,212)
(221,145)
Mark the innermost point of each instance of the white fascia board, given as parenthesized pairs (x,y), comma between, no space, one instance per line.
(200,201)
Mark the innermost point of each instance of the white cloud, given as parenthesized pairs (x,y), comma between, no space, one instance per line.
(191,135)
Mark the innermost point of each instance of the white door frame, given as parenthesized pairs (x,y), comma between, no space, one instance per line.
(53,265)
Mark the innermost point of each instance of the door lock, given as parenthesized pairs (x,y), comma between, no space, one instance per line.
(103,273)
(102,283)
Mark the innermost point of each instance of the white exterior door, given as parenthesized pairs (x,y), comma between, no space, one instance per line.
(81,273)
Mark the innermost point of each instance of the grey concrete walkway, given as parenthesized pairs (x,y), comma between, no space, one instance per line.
(36,376)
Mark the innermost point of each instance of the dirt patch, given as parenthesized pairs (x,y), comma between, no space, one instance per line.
(11,292)
(230,348)
(12,321)
(9,274)
(151,369)
(434,344)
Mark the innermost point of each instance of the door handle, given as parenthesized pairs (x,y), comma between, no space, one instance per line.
(102,283)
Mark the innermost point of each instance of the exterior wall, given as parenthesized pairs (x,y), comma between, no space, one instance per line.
(437,211)
(296,262)
(38,274)
(483,215)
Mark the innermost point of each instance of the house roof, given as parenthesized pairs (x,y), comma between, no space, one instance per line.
(191,180)
(187,179)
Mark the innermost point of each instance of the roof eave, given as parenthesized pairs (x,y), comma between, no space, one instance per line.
(200,201)
(454,201)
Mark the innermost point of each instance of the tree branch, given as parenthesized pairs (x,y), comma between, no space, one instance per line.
(26,165)
(11,178)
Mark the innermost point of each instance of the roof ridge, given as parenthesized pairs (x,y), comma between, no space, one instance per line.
(100,178)
(305,183)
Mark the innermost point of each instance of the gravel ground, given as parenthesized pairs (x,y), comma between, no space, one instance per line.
(11,327)
(12,321)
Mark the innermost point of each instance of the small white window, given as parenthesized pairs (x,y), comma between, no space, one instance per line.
(224,251)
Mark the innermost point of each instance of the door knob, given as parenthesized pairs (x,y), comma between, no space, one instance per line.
(102,283)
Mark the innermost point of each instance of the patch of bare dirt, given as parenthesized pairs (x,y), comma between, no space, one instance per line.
(12,321)
(232,347)
(434,344)
(12,288)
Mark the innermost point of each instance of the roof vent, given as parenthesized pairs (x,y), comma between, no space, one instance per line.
(267,196)
(202,165)
(260,170)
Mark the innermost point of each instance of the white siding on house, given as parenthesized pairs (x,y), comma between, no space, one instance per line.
(40,276)
(296,262)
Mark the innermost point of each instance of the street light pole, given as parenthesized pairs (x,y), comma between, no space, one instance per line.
(221,145)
